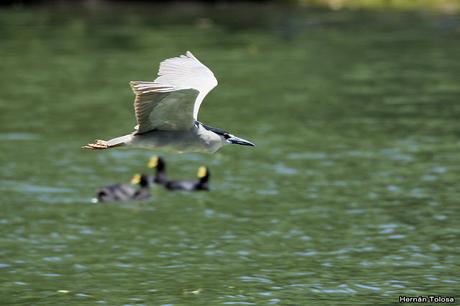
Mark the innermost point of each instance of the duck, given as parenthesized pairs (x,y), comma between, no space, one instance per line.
(157,163)
(125,192)
(202,184)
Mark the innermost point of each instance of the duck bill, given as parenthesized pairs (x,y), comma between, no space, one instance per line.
(240,141)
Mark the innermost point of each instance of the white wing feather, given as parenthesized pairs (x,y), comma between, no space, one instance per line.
(162,108)
(173,100)
(185,72)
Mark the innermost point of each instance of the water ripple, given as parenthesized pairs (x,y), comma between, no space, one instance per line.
(256,279)
(373,288)
(19,136)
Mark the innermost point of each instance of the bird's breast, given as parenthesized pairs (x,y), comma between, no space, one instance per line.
(182,141)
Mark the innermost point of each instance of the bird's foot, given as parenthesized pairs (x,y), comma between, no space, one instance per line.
(98,145)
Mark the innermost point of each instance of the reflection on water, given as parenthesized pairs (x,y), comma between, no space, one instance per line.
(351,193)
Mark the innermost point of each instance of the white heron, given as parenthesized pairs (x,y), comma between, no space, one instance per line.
(167,110)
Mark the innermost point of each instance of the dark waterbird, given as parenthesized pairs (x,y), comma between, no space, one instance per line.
(157,163)
(202,184)
(125,192)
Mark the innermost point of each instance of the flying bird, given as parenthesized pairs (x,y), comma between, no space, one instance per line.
(167,111)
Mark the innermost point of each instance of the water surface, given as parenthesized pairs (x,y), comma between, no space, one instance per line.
(350,197)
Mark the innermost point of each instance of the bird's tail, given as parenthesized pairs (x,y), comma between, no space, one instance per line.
(103,144)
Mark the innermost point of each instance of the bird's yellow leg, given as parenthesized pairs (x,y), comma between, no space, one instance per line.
(98,145)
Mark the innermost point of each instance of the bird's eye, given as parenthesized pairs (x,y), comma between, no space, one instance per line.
(226,135)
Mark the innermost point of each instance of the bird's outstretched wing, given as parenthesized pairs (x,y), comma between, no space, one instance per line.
(172,101)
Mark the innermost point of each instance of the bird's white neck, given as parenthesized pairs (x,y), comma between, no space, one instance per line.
(211,140)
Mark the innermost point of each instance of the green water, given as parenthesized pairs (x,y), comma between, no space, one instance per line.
(351,196)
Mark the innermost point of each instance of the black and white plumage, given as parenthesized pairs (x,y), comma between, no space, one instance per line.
(167,110)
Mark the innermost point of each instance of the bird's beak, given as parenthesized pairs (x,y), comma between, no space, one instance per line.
(240,141)
(136,179)
(202,171)
(153,162)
